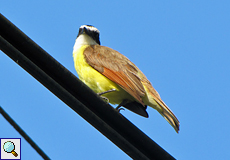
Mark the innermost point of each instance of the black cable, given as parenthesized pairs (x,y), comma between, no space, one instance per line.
(60,92)
(23,134)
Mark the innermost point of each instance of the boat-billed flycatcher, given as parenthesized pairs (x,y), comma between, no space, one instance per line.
(115,77)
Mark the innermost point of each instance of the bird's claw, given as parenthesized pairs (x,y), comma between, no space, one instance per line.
(105,99)
(119,109)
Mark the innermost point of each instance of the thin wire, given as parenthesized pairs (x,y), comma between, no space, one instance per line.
(23,134)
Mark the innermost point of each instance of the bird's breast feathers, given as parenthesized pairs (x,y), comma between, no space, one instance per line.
(95,80)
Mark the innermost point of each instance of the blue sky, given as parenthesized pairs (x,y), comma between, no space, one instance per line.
(182,47)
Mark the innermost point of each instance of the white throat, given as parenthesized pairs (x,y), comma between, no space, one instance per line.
(83,39)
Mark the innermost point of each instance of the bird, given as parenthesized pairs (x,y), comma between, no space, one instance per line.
(115,78)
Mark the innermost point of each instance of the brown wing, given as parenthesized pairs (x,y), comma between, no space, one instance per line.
(117,68)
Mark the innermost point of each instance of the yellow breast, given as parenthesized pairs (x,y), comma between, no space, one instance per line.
(95,80)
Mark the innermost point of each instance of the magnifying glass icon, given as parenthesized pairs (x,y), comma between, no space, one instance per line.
(9,147)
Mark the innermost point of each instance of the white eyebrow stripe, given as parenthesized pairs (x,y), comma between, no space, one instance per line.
(92,28)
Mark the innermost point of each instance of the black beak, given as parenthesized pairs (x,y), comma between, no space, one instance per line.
(82,31)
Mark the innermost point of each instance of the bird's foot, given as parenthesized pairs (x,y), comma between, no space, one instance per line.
(118,108)
(105,99)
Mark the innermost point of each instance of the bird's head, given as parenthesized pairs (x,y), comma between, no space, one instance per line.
(90,33)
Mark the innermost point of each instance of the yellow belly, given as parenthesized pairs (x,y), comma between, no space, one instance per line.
(96,81)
